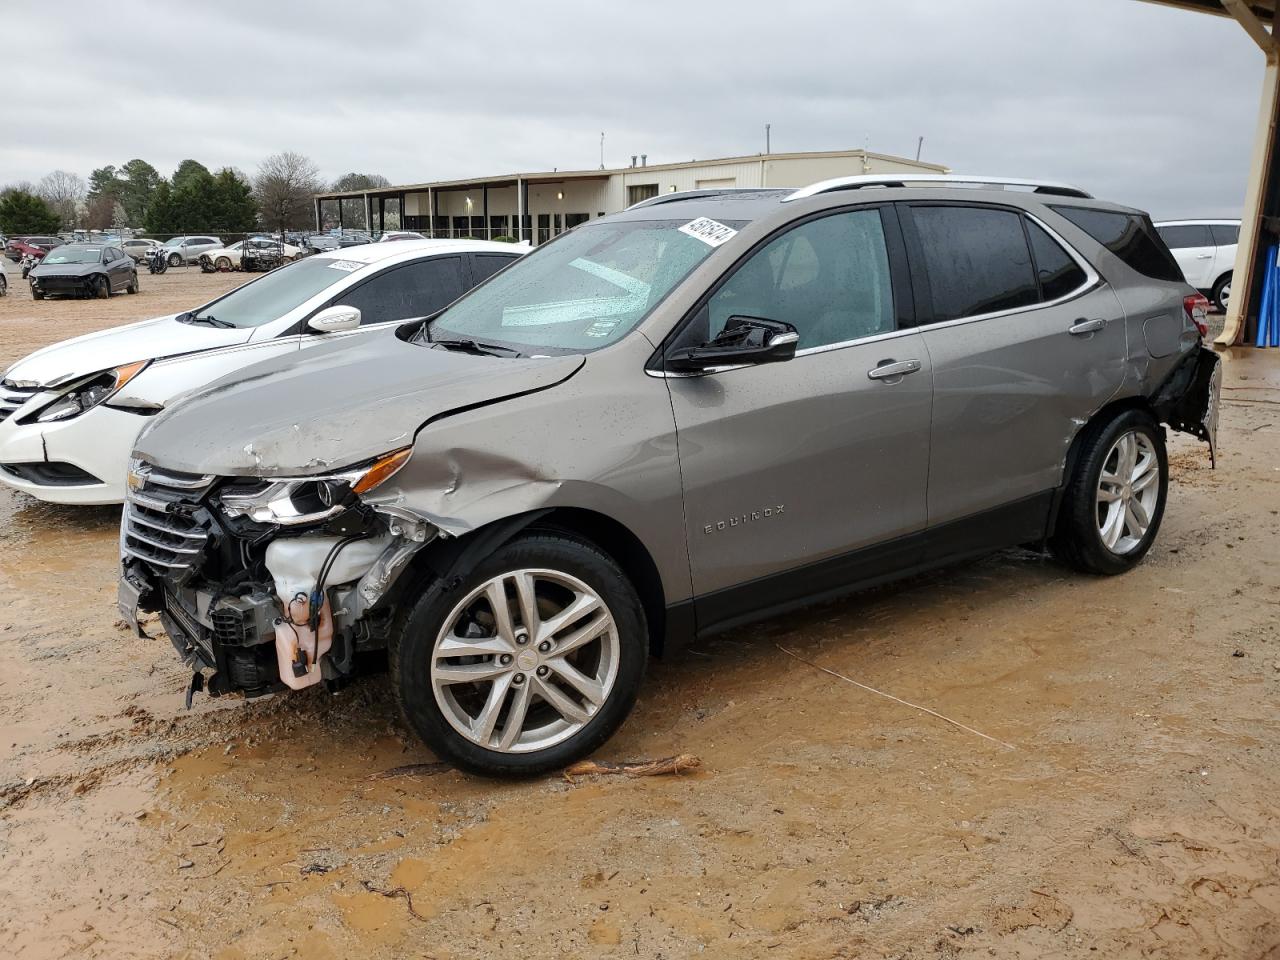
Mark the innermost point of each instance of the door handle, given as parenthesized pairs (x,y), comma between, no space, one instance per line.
(1204,256)
(1082,327)
(888,369)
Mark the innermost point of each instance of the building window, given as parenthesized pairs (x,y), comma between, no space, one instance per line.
(641,191)
(571,220)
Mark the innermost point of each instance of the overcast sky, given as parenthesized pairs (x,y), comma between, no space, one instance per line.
(1138,103)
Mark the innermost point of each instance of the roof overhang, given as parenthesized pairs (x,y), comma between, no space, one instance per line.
(1264,10)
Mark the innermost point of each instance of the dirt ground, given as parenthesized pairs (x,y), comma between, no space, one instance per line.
(1133,811)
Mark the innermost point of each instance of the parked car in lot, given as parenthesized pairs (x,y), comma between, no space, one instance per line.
(69,413)
(1206,253)
(18,247)
(83,270)
(700,411)
(338,241)
(188,249)
(138,248)
(231,258)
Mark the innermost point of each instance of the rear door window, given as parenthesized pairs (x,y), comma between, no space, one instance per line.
(1186,235)
(407,291)
(1058,272)
(1130,236)
(976,260)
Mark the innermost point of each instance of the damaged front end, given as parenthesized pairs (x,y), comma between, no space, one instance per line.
(270,583)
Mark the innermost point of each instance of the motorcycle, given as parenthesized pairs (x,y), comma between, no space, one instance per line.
(157,260)
(28,261)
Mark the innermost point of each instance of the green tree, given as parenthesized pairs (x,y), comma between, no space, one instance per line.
(232,203)
(188,172)
(25,213)
(104,182)
(161,216)
(138,179)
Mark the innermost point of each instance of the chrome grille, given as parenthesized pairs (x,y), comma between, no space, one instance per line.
(158,528)
(12,397)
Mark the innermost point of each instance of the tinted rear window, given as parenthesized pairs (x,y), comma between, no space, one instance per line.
(1130,236)
(977,260)
(1225,234)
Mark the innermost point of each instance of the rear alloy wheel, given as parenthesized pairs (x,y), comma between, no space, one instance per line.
(1112,508)
(531,662)
(1222,293)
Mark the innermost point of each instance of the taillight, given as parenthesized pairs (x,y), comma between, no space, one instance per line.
(1197,307)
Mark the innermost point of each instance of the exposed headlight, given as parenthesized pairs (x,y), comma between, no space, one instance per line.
(88,393)
(300,500)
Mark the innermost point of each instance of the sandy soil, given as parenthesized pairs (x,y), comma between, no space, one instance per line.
(1133,812)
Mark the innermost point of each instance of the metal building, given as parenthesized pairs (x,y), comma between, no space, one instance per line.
(538,206)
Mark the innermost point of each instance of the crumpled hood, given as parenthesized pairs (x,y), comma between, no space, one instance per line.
(333,405)
(148,340)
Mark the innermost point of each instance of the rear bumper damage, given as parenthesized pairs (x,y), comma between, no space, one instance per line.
(1191,399)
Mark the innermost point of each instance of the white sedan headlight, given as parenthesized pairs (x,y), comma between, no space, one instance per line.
(89,392)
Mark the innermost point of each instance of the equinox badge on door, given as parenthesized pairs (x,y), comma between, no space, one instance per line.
(743,519)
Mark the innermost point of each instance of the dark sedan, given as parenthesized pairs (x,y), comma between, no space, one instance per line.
(84,269)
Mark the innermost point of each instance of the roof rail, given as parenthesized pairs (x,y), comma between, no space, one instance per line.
(692,194)
(901,180)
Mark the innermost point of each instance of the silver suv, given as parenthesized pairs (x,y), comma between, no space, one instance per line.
(704,410)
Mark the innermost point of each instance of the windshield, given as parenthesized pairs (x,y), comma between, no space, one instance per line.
(74,255)
(585,291)
(274,294)
(175,242)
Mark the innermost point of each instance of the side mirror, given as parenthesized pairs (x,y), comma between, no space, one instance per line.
(744,340)
(335,320)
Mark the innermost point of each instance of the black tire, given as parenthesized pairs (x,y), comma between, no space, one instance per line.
(133,284)
(175,259)
(36,294)
(101,287)
(413,643)
(1221,293)
(1077,540)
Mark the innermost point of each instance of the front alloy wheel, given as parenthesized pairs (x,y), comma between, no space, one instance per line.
(525,660)
(527,664)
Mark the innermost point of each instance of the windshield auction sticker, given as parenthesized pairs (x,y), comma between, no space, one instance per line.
(709,231)
(347,265)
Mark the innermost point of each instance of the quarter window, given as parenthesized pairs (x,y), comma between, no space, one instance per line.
(976,259)
(1130,236)
(829,278)
(406,292)
(485,265)
(1225,234)
(1057,271)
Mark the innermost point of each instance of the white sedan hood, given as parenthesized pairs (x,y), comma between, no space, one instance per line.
(148,340)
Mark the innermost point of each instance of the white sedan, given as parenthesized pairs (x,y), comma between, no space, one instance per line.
(70,413)
(231,258)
